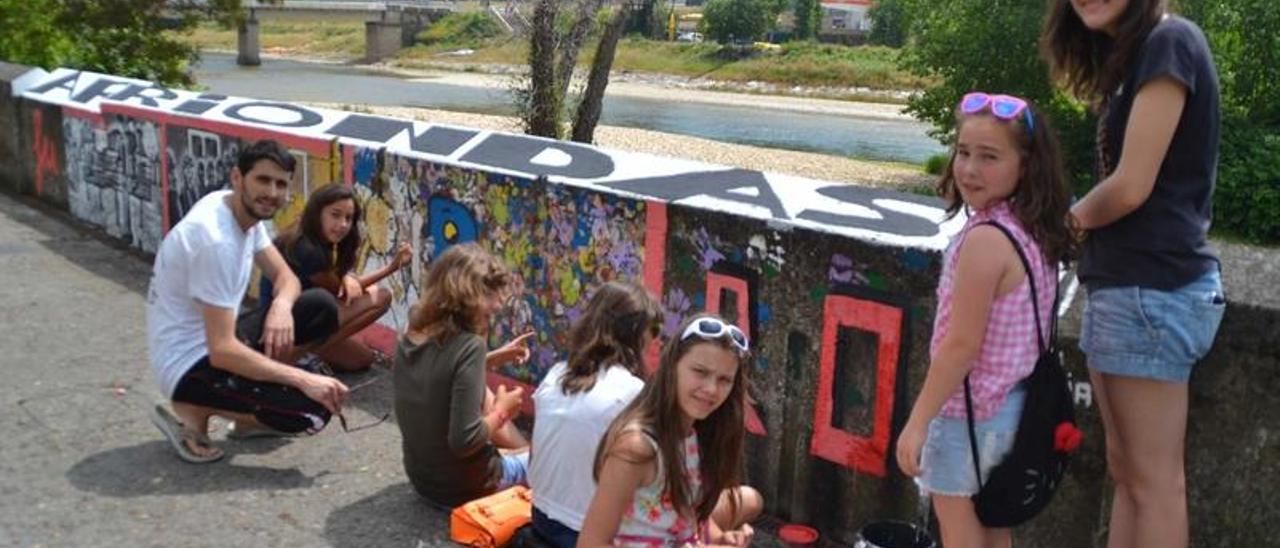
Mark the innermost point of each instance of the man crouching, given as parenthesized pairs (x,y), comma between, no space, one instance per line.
(206,361)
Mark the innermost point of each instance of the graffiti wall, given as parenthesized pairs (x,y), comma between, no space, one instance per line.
(114,175)
(833,282)
(201,154)
(839,325)
(561,242)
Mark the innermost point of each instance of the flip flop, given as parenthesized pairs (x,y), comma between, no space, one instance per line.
(178,437)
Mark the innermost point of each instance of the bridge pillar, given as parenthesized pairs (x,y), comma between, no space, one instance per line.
(381,40)
(247,43)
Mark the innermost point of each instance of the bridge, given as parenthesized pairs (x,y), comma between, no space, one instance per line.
(389,26)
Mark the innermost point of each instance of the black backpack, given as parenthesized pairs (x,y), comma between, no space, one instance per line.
(1024,482)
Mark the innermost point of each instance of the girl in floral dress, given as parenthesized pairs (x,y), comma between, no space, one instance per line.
(669,469)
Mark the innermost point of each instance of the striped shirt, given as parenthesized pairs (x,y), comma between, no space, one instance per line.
(1009,346)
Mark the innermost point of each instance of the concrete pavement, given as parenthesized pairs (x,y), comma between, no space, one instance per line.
(81,464)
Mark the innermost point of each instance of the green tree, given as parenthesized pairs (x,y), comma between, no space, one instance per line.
(555,40)
(1245,38)
(808,19)
(990,45)
(888,23)
(121,37)
(29,34)
(725,20)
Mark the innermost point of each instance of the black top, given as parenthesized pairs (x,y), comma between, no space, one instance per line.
(305,258)
(1162,244)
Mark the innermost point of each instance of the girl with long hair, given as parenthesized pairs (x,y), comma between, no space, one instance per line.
(452,427)
(579,397)
(321,250)
(669,468)
(1005,170)
(1153,284)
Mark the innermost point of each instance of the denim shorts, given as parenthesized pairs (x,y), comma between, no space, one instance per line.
(1139,332)
(946,462)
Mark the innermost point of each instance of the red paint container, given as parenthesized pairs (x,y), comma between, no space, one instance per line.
(798,535)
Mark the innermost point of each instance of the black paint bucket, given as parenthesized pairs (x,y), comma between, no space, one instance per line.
(894,534)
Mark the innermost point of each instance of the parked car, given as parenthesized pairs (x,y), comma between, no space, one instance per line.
(689,37)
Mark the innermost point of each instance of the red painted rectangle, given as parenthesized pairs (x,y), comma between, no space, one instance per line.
(865,454)
(655,261)
(715,283)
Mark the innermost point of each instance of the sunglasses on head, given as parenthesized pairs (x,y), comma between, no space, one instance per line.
(712,328)
(1004,107)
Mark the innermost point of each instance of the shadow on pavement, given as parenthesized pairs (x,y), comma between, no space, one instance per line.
(151,468)
(394,516)
(85,246)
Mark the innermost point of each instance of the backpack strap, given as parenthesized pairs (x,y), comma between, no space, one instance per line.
(1035,307)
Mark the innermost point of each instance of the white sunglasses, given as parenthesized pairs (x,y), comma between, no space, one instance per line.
(712,328)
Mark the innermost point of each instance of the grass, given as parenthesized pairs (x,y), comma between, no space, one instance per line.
(311,39)
(795,64)
(803,63)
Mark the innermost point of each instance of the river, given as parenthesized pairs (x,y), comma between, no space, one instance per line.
(841,135)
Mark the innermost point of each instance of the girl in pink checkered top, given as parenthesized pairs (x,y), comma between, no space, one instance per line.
(1005,169)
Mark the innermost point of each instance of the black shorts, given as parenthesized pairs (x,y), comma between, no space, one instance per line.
(284,408)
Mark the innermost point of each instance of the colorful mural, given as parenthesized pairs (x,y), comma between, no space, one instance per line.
(828,280)
(560,241)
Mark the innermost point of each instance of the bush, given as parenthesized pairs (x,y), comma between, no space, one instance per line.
(1247,200)
(462,29)
(1245,38)
(736,20)
(936,163)
(808,16)
(888,23)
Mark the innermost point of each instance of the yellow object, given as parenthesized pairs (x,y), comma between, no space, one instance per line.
(492,521)
(671,26)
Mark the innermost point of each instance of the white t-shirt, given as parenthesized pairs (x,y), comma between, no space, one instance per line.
(206,258)
(566,431)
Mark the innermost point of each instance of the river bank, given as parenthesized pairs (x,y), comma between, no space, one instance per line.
(803,164)
(631,84)
(662,91)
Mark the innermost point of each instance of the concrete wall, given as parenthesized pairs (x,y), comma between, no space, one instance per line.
(834,282)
